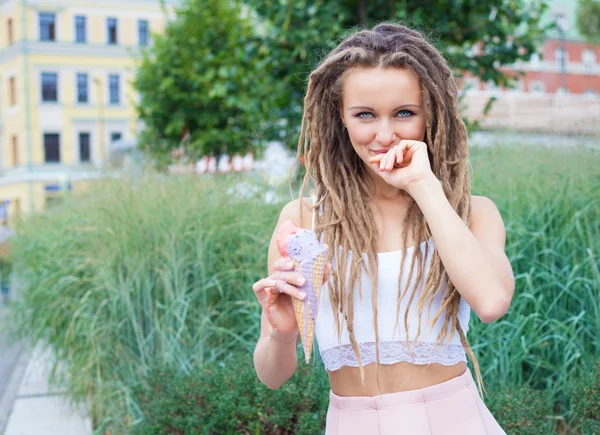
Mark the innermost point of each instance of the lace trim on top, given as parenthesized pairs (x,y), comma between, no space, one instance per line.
(391,352)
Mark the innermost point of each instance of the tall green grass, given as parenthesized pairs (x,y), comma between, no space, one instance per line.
(158,271)
(549,199)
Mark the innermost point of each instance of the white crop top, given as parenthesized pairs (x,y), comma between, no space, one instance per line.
(392,344)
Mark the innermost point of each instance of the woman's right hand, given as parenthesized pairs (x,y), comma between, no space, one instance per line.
(274,295)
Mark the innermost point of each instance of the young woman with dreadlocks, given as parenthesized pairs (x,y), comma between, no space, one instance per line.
(386,150)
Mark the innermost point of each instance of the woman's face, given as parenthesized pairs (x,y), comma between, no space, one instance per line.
(380,107)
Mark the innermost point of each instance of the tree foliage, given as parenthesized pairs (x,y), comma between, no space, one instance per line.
(588,19)
(199,84)
(229,81)
(478,37)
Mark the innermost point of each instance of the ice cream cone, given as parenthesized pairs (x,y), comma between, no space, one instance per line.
(306,313)
(308,256)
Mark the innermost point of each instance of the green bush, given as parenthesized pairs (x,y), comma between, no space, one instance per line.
(228,398)
(522,410)
(140,273)
(585,402)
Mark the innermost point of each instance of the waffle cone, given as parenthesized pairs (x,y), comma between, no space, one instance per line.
(306,320)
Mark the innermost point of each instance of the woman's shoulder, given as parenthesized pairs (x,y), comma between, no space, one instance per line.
(481,204)
(299,211)
(483,210)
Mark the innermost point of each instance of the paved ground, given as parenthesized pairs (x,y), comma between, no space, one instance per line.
(9,355)
(41,409)
(9,359)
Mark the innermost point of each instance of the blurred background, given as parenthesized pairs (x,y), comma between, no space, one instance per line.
(145,150)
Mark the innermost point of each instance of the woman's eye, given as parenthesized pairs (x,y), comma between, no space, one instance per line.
(364,115)
(405,113)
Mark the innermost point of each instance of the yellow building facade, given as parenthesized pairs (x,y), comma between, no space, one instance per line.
(66,97)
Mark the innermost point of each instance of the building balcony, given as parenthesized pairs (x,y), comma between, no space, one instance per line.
(63,48)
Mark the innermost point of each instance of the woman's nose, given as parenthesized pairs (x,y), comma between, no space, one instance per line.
(386,137)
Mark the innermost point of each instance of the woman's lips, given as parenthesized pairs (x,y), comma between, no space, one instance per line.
(379,151)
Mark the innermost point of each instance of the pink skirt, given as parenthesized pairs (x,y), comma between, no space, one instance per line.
(453,407)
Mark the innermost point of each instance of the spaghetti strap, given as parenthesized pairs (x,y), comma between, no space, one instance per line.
(314,201)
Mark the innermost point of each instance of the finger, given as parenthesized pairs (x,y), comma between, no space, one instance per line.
(288,289)
(391,160)
(260,286)
(383,162)
(269,291)
(410,152)
(399,155)
(284,263)
(327,272)
(293,278)
(410,146)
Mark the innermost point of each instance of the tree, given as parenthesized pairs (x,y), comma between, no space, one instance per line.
(199,86)
(588,20)
(218,81)
(503,32)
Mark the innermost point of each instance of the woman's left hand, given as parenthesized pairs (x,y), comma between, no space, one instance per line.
(404,165)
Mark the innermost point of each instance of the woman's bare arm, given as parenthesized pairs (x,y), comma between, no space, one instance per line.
(275,357)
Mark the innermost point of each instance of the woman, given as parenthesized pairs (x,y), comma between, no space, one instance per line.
(386,149)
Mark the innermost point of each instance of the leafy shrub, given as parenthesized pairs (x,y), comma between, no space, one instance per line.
(229,398)
(585,402)
(522,410)
(142,273)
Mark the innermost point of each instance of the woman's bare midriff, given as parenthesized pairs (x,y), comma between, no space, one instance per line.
(393,378)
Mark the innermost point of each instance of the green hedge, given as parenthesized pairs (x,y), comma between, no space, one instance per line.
(522,410)
(585,402)
(228,398)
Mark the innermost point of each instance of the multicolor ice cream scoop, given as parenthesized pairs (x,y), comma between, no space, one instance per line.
(308,256)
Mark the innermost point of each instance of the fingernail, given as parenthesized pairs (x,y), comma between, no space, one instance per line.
(272,283)
(301,281)
(302,295)
(289,265)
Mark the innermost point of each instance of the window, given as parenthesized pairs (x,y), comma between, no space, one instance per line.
(143,32)
(47,26)
(12,93)
(561,57)
(9,29)
(15,150)
(562,91)
(50,87)
(589,59)
(84,147)
(115,136)
(82,88)
(537,87)
(111,29)
(51,148)
(113,89)
(80,35)
(590,92)
(561,22)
